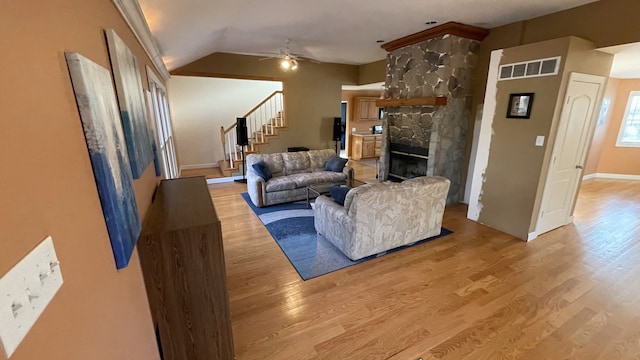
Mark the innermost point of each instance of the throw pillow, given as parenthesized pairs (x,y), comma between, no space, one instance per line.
(339,193)
(263,170)
(335,163)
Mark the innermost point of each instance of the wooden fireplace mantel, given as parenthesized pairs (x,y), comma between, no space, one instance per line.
(450,28)
(416,101)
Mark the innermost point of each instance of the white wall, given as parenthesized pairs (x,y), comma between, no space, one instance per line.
(201,105)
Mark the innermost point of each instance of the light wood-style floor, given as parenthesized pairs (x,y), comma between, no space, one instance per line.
(208,173)
(573,293)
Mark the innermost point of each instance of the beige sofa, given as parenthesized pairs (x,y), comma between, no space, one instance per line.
(292,172)
(379,217)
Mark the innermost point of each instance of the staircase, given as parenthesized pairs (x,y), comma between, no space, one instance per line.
(264,122)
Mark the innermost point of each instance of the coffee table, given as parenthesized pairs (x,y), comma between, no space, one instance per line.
(323,188)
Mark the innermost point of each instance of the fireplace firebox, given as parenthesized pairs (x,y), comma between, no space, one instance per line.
(406,162)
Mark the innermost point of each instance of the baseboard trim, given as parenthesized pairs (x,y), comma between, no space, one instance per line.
(532,235)
(611,176)
(223,180)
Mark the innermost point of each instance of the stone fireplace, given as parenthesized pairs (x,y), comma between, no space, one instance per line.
(436,63)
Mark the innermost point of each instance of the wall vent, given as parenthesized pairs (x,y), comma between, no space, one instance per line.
(532,68)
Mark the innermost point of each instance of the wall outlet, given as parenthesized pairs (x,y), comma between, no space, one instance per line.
(353,129)
(25,291)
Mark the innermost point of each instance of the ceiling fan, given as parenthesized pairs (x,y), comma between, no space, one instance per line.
(288,60)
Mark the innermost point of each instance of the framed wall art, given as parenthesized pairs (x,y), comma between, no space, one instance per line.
(98,110)
(520,106)
(132,103)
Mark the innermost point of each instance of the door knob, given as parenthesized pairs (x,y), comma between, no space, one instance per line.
(579,167)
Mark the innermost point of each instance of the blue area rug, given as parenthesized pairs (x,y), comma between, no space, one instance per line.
(291,226)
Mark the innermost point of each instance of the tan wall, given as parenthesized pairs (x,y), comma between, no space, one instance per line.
(201,105)
(313,94)
(606,23)
(372,72)
(517,169)
(613,159)
(360,126)
(591,166)
(513,171)
(48,187)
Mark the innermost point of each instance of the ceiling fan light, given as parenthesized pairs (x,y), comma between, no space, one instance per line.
(285,64)
(294,64)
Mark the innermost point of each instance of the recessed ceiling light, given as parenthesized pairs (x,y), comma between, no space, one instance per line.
(379,41)
(432,22)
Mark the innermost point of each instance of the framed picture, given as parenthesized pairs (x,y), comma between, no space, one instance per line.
(520,106)
(100,118)
(132,105)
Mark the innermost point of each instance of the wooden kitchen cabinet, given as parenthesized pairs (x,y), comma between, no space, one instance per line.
(365,109)
(365,146)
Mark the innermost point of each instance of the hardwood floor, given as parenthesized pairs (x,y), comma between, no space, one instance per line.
(208,173)
(573,293)
(364,170)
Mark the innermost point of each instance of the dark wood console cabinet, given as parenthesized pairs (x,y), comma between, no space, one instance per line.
(182,260)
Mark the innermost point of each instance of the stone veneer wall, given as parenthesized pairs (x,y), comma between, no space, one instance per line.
(443,66)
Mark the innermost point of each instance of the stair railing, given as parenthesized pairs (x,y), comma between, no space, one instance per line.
(262,121)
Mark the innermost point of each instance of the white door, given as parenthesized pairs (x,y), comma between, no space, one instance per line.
(569,151)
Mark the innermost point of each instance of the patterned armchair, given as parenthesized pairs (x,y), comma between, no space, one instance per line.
(379,217)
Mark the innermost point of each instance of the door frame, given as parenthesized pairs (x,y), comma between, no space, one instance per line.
(573,76)
(161,116)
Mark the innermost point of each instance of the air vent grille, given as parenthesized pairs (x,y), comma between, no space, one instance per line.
(533,68)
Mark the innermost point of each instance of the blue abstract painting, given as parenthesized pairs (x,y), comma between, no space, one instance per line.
(98,109)
(132,106)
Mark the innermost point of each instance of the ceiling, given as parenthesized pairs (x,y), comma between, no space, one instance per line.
(334,31)
(625,63)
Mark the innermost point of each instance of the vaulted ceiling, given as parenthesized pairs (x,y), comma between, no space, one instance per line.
(335,31)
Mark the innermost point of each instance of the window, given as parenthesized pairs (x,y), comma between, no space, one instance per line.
(162,116)
(532,68)
(630,129)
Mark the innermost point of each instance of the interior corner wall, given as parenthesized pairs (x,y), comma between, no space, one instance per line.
(610,97)
(514,165)
(312,94)
(372,72)
(614,159)
(614,18)
(200,106)
(48,187)
(581,58)
(517,169)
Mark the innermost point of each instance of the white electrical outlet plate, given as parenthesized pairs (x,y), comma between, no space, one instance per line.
(25,291)
(539,140)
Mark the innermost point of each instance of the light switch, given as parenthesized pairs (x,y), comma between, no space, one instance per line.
(539,140)
(25,291)
(353,129)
